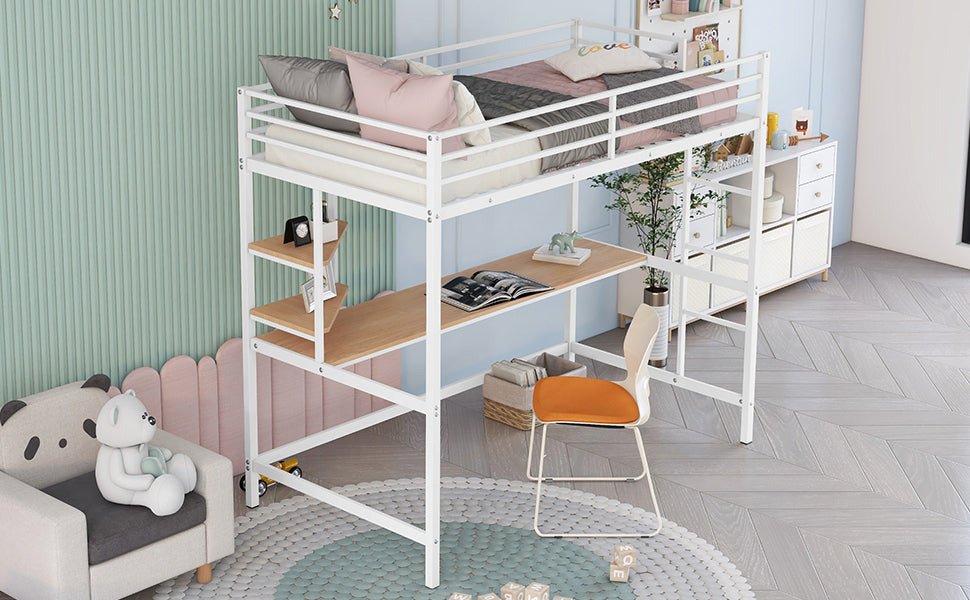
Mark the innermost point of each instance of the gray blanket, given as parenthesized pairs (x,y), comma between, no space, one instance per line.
(498,99)
(686,126)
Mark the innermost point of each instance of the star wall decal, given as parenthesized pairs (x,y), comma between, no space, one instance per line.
(335,11)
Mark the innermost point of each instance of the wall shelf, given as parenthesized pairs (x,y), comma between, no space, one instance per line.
(298,258)
(291,314)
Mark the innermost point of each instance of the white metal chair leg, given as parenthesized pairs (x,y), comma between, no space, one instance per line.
(531,477)
(539,479)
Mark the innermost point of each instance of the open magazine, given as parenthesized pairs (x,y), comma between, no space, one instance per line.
(485,288)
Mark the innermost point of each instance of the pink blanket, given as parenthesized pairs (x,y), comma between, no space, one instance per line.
(540,75)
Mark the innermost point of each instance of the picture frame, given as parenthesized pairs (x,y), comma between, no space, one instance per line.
(802,123)
(307,288)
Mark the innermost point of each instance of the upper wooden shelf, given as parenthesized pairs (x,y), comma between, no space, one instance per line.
(299,258)
(700,16)
(396,319)
(290,312)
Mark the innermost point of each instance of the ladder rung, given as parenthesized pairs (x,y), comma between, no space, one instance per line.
(721,186)
(715,320)
(718,254)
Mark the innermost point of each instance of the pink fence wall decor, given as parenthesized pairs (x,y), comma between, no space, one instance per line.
(202,402)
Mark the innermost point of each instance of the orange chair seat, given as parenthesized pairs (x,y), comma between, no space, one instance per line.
(583,400)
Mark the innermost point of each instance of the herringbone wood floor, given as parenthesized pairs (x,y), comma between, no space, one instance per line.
(857,484)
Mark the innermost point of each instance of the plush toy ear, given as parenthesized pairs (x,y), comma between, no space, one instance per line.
(9,409)
(116,414)
(100,381)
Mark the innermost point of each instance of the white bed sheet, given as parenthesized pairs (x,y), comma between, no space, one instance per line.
(394,186)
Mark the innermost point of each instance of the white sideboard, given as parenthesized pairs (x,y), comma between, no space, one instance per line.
(795,247)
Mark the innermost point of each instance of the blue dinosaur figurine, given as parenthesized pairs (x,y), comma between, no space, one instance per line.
(564,242)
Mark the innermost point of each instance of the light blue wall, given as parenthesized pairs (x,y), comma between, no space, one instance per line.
(816,63)
(816,51)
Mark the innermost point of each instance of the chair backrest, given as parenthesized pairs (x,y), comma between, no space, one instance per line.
(640,337)
(49,437)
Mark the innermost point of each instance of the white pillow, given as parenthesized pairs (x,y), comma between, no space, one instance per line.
(592,61)
(468,111)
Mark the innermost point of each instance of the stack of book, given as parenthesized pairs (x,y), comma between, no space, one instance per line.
(518,371)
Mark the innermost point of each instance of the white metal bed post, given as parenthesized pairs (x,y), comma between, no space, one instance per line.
(318,271)
(572,224)
(681,280)
(754,256)
(432,367)
(248,298)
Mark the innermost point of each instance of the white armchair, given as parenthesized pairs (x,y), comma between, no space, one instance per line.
(62,540)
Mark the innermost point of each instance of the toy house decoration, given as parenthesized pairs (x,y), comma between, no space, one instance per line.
(722,153)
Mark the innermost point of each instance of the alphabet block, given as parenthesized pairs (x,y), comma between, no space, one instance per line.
(619,573)
(488,596)
(513,591)
(624,555)
(537,591)
(460,596)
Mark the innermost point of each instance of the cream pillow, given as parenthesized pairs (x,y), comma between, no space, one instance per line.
(592,61)
(468,111)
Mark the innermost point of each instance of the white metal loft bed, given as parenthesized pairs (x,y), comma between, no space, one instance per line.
(416,314)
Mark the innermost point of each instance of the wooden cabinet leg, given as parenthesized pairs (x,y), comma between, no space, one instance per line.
(204,574)
(622,321)
(825,275)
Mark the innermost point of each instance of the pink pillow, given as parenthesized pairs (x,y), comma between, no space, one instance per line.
(420,101)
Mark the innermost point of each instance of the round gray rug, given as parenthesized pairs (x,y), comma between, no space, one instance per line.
(302,549)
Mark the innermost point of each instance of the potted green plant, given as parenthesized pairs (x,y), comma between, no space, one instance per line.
(647,202)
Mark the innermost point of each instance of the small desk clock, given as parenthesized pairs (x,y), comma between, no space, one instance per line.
(297,230)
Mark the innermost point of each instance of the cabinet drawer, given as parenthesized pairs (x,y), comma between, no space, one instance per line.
(811,252)
(815,194)
(816,165)
(698,292)
(701,233)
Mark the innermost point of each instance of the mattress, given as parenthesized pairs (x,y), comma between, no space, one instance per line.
(400,188)
(537,75)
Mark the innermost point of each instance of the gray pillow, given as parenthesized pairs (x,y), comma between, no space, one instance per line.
(322,82)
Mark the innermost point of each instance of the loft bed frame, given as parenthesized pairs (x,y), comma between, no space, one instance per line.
(416,314)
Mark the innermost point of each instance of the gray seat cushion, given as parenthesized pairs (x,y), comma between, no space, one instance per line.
(115,529)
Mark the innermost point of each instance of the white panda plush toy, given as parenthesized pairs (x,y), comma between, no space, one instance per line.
(128,470)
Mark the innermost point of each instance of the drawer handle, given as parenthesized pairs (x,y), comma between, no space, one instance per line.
(818,194)
(697,235)
(818,165)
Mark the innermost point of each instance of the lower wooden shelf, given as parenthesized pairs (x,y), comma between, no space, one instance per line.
(290,312)
(396,319)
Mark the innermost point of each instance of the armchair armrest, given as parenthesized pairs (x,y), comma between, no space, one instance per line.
(215,485)
(45,549)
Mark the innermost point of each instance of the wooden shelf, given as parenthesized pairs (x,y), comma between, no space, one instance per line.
(299,258)
(290,312)
(396,319)
(700,16)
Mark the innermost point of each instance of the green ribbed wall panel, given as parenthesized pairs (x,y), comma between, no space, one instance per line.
(118,203)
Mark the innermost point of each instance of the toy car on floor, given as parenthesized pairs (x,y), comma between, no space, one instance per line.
(290,465)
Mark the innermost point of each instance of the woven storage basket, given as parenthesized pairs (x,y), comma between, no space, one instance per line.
(511,404)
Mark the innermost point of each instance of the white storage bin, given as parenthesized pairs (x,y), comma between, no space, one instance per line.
(698,292)
(812,244)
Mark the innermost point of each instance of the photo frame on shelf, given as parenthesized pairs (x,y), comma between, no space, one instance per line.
(802,123)
(307,287)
